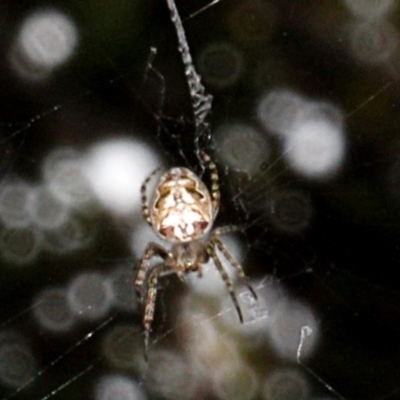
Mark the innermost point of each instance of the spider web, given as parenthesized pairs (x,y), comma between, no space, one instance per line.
(321,252)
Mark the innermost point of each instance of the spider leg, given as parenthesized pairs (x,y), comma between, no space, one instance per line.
(215,193)
(150,304)
(153,249)
(232,260)
(225,277)
(222,230)
(145,207)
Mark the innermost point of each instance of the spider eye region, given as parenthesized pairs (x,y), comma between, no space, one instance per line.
(181,209)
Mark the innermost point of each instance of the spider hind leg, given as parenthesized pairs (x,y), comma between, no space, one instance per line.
(215,193)
(144,199)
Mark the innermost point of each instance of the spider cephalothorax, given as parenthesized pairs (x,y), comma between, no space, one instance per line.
(182,211)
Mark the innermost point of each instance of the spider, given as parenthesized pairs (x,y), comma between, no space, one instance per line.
(182,212)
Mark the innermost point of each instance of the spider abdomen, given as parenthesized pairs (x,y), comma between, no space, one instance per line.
(181,209)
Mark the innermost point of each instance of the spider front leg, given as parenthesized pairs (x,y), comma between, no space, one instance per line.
(217,242)
(150,304)
(153,249)
(225,277)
